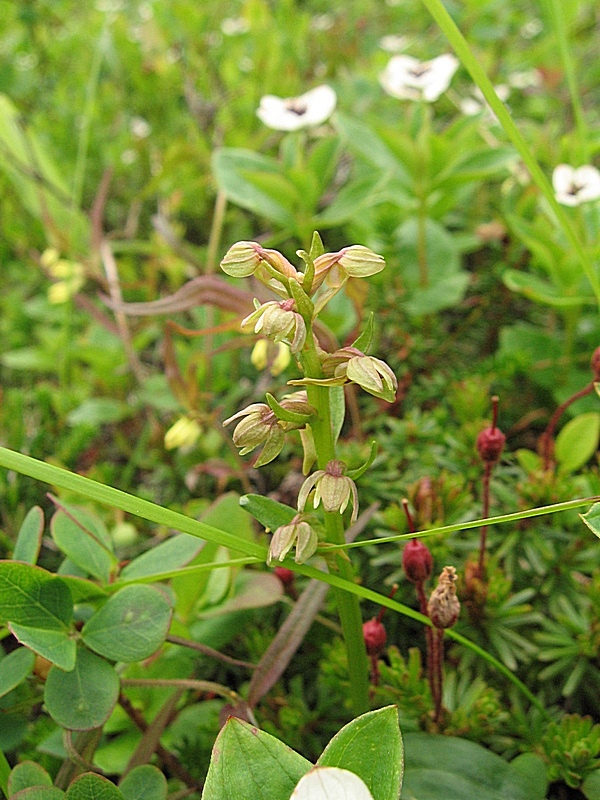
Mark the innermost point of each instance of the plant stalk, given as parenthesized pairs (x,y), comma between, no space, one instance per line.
(348,605)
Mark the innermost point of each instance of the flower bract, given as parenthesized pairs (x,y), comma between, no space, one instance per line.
(292,113)
(407,78)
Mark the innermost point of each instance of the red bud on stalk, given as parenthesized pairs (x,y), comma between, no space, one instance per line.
(490,441)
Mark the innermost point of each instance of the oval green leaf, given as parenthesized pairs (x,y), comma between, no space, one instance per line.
(14,668)
(25,775)
(39,793)
(131,625)
(93,787)
(57,646)
(82,544)
(31,596)
(29,538)
(577,442)
(85,697)
(145,782)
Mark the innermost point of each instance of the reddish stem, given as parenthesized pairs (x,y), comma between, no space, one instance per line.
(546,439)
(487,474)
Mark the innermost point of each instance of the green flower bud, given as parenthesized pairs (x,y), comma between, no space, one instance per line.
(297,532)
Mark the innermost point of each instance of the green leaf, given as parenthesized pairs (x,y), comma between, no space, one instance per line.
(270,513)
(171,554)
(145,782)
(442,767)
(247,762)
(14,668)
(37,178)
(85,697)
(541,291)
(371,747)
(131,625)
(27,774)
(90,786)
(55,645)
(98,411)
(592,519)
(39,793)
(591,786)
(234,170)
(337,404)
(363,342)
(362,139)
(83,544)
(31,596)
(577,442)
(285,414)
(251,590)
(29,538)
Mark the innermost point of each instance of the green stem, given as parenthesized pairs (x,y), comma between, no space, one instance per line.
(560,31)
(348,604)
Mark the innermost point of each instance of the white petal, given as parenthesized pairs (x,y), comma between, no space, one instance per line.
(588,178)
(290,114)
(331,783)
(562,178)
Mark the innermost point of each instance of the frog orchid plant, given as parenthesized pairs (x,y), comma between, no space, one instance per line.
(315,409)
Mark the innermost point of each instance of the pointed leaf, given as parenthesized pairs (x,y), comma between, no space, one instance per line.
(285,414)
(32,596)
(29,538)
(371,747)
(57,646)
(270,513)
(131,625)
(247,762)
(592,519)
(85,697)
(14,668)
(82,544)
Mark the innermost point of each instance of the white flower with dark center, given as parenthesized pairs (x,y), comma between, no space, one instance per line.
(407,78)
(576,185)
(293,113)
(331,783)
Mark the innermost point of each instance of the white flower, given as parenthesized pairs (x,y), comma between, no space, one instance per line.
(526,79)
(409,79)
(297,532)
(393,43)
(573,186)
(278,321)
(234,26)
(140,128)
(292,113)
(331,783)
